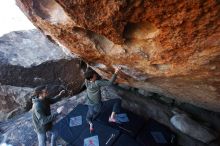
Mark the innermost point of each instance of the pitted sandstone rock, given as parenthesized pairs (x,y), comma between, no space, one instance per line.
(169,47)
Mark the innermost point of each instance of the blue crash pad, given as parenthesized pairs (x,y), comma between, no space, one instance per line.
(103,132)
(68,133)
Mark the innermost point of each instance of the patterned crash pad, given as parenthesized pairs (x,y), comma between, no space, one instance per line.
(75,131)
(106,135)
(66,128)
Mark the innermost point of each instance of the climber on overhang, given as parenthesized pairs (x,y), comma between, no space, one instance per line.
(93,85)
(42,117)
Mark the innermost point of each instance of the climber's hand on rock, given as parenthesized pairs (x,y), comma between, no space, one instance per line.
(117,69)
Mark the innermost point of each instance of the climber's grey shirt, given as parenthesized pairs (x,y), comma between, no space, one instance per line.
(93,89)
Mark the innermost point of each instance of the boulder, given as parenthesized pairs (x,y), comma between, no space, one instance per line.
(192,128)
(168,47)
(29,48)
(14,101)
(37,61)
(66,72)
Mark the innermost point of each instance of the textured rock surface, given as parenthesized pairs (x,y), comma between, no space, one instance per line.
(169,47)
(29,48)
(192,128)
(14,101)
(51,72)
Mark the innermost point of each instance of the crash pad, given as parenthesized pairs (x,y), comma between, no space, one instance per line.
(64,128)
(132,127)
(106,135)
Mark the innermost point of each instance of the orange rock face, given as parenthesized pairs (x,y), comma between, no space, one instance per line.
(170,47)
